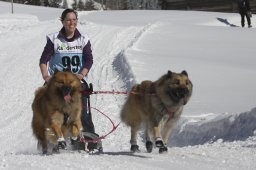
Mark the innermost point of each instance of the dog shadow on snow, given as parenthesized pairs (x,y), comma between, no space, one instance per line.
(121,154)
(96,153)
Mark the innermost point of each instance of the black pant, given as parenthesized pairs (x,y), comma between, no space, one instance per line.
(245,14)
(86,117)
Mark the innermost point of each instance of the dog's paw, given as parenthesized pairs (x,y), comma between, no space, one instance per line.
(149,146)
(44,151)
(62,145)
(74,138)
(159,143)
(55,149)
(163,149)
(135,148)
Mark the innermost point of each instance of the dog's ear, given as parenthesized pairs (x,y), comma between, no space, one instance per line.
(184,73)
(169,74)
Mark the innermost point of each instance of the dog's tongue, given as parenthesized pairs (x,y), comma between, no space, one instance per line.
(67,98)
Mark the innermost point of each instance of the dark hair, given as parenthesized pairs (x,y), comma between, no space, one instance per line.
(65,12)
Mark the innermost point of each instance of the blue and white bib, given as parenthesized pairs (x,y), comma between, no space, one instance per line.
(67,55)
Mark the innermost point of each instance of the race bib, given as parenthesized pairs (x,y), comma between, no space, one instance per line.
(66,61)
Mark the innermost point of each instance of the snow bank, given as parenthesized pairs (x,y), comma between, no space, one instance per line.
(18,19)
(11,22)
(226,127)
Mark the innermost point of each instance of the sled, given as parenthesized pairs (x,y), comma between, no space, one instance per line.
(87,140)
(86,143)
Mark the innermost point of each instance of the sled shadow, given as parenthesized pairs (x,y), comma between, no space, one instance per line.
(225,21)
(121,153)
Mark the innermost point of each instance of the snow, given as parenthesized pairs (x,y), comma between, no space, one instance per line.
(217,129)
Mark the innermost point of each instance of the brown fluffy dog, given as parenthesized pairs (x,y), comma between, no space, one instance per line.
(159,105)
(57,110)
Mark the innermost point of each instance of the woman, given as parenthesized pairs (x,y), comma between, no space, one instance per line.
(68,49)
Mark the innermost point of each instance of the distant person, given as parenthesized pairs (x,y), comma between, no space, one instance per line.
(245,11)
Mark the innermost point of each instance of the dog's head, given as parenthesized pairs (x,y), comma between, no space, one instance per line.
(176,86)
(179,87)
(65,85)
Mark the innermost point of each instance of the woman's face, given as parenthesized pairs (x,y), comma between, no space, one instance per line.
(70,22)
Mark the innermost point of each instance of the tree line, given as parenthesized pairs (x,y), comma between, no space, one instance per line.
(81,5)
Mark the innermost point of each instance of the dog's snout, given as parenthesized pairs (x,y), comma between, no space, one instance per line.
(183,91)
(66,89)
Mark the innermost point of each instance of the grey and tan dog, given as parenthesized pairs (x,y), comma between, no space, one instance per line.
(158,105)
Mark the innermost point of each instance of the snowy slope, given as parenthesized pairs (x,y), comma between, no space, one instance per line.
(217,129)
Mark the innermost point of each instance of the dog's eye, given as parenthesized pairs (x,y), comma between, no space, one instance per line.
(60,82)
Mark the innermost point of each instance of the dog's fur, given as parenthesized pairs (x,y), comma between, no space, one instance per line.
(61,96)
(158,104)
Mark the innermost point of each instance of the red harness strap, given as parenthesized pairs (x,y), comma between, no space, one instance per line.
(101,137)
(114,92)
